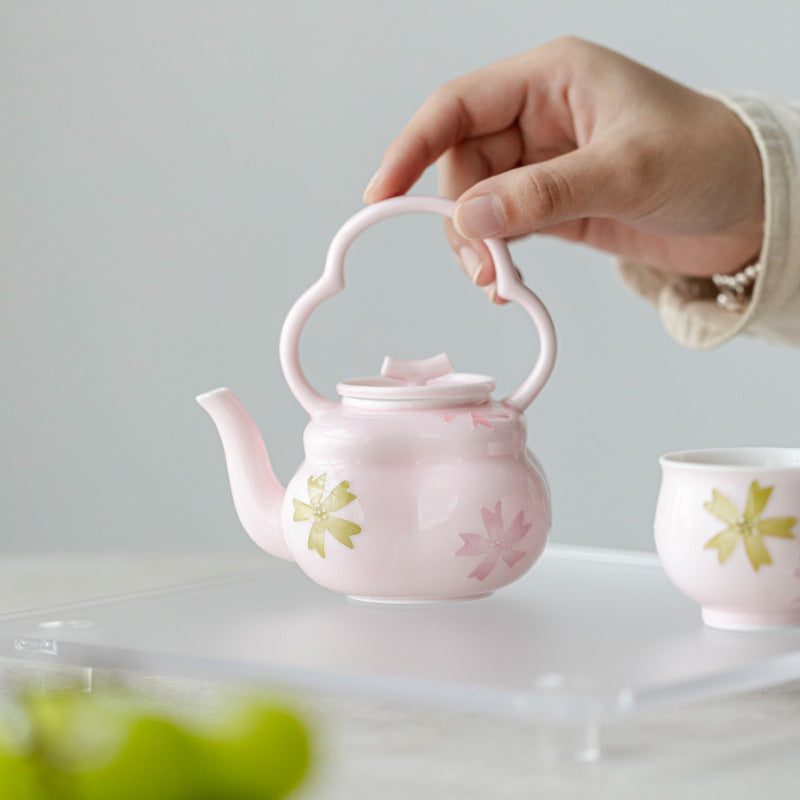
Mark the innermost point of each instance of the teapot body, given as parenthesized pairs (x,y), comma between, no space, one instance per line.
(416,504)
(416,487)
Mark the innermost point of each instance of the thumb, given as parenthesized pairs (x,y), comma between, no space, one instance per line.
(585,182)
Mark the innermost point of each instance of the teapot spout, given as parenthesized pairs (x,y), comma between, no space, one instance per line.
(257,494)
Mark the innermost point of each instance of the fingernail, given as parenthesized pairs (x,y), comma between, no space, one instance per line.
(471,262)
(372,182)
(490,291)
(480,217)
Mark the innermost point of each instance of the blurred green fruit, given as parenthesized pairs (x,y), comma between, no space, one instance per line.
(260,753)
(18,778)
(110,746)
(156,760)
(78,730)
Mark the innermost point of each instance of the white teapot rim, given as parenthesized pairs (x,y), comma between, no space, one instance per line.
(430,381)
(457,388)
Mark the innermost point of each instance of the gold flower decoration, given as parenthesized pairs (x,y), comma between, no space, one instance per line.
(747,526)
(321,510)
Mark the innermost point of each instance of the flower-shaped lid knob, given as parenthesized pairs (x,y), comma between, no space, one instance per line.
(416,373)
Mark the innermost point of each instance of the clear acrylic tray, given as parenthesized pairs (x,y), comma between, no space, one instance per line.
(585,637)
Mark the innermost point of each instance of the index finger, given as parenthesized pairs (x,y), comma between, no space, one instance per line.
(486,101)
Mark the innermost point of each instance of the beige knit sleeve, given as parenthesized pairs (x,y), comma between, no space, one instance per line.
(773,313)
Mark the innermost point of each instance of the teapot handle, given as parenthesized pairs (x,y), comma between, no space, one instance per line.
(509,287)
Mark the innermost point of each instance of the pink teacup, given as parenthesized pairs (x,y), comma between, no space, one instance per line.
(727,533)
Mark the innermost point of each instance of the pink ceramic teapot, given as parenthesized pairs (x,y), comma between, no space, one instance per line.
(417,486)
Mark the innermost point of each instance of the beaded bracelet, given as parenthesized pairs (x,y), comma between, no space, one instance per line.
(736,290)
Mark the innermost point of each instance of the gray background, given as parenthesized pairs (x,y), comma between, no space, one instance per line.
(171,176)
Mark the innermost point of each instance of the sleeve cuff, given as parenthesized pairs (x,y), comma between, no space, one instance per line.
(693,318)
(696,322)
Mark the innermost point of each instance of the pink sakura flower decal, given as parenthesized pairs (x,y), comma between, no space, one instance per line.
(496,543)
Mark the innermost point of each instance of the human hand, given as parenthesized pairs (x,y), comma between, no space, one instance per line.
(576,141)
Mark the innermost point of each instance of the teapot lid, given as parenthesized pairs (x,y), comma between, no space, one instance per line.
(430,381)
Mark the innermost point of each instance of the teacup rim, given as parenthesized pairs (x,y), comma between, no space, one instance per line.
(752,459)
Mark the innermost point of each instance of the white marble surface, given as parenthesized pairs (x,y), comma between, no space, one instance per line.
(732,748)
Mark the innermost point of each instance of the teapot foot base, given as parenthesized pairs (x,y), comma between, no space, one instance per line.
(750,621)
(415,601)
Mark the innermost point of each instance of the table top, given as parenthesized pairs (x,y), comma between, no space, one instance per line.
(386,750)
